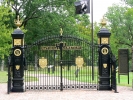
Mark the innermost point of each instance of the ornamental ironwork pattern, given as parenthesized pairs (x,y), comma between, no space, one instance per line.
(62,71)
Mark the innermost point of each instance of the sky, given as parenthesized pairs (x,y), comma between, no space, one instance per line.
(100,8)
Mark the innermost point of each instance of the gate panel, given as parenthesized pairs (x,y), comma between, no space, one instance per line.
(47,76)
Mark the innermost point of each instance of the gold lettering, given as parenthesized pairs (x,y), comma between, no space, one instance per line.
(64,48)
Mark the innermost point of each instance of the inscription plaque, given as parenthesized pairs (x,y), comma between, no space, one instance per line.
(64,48)
(123,61)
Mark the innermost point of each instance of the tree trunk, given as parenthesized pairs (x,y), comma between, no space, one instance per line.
(36,68)
(132,60)
(2,65)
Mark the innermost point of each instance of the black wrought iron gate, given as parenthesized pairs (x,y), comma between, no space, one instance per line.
(60,62)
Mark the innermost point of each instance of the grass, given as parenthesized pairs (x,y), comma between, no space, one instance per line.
(4,77)
(30,79)
(123,78)
(84,75)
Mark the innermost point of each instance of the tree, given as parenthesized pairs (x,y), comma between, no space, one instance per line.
(31,9)
(5,34)
(45,17)
(121,22)
(117,18)
(128,2)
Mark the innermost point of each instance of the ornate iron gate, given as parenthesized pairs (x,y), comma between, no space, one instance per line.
(60,62)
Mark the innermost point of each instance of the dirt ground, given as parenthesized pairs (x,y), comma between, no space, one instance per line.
(125,93)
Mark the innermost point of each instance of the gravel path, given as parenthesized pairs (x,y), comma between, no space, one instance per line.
(125,93)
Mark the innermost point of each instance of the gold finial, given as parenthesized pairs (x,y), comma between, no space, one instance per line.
(18,22)
(103,22)
(61,31)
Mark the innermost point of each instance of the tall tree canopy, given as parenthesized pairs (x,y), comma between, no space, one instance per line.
(120,19)
(46,17)
(5,34)
(5,31)
(121,22)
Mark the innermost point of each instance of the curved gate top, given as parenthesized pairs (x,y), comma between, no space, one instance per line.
(60,62)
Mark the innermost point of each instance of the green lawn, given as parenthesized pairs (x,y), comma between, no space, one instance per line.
(4,77)
(123,78)
(84,75)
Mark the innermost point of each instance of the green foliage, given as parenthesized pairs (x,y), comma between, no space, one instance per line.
(30,78)
(83,26)
(120,22)
(120,19)
(124,80)
(46,17)
(96,29)
(3,77)
(5,31)
(128,2)
(59,15)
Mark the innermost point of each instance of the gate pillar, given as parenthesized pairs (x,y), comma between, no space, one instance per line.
(104,58)
(17,59)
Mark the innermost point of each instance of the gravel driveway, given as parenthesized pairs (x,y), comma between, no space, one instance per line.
(125,93)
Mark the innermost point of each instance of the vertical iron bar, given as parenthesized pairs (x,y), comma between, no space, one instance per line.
(9,77)
(92,37)
(61,45)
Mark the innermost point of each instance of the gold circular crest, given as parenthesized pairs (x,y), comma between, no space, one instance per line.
(104,50)
(17,52)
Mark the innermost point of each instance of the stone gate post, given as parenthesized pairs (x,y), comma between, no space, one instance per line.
(17,59)
(104,58)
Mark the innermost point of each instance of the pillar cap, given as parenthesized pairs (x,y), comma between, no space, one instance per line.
(17,34)
(17,31)
(103,31)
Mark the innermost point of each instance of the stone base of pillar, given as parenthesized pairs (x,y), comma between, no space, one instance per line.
(17,89)
(17,85)
(104,83)
(104,87)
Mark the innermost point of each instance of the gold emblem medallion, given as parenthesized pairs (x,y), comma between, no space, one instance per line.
(105,65)
(104,51)
(43,62)
(17,52)
(17,67)
(79,61)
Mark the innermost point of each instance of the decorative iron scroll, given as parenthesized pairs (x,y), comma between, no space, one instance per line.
(79,61)
(43,62)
